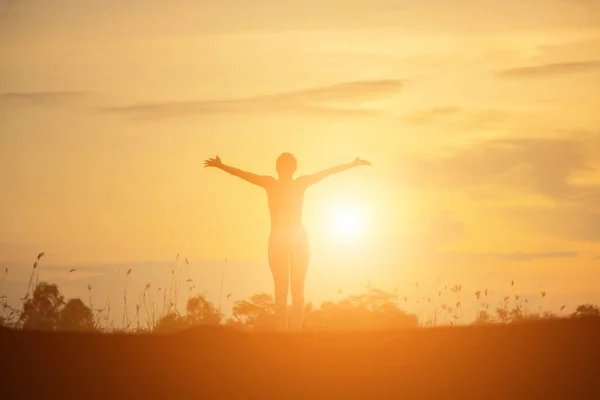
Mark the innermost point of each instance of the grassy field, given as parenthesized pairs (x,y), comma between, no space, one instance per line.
(554,359)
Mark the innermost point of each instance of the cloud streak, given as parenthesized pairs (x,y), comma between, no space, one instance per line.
(4,11)
(428,116)
(523,256)
(462,118)
(539,165)
(572,223)
(319,100)
(50,98)
(543,70)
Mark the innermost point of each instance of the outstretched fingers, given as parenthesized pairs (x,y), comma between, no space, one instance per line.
(359,161)
(212,162)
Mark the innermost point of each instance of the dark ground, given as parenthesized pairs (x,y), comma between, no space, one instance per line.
(543,360)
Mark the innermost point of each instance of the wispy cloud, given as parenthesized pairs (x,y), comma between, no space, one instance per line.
(464,118)
(482,260)
(540,165)
(570,222)
(319,100)
(6,8)
(512,167)
(475,258)
(50,98)
(550,69)
(432,114)
(524,256)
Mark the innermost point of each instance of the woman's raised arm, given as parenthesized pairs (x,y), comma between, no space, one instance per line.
(260,180)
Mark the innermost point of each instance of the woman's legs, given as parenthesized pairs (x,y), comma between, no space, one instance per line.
(298,267)
(299,260)
(289,256)
(280,269)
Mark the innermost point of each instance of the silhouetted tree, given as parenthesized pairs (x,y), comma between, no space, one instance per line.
(76,316)
(42,310)
(171,323)
(586,310)
(371,310)
(199,311)
(46,310)
(258,312)
(375,309)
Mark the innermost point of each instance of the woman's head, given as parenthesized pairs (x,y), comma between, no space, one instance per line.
(286,165)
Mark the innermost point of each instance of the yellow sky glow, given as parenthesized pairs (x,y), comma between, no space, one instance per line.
(480,119)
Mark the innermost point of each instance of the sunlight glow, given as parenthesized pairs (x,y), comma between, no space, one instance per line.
(346,222)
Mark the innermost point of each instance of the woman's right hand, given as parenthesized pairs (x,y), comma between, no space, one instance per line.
(213,162)
(358,161)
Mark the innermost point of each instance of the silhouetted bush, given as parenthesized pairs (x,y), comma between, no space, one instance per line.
(46,310)
(199,311)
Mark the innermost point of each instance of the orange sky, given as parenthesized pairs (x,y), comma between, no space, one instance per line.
(480,118)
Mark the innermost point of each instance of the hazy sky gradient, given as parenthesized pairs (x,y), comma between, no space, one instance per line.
(481,119)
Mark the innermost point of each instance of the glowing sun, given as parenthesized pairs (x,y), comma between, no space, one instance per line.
(346,222)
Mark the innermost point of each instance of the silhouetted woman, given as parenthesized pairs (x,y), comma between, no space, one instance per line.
(289,252)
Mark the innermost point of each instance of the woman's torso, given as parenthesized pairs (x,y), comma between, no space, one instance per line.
(286,199)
